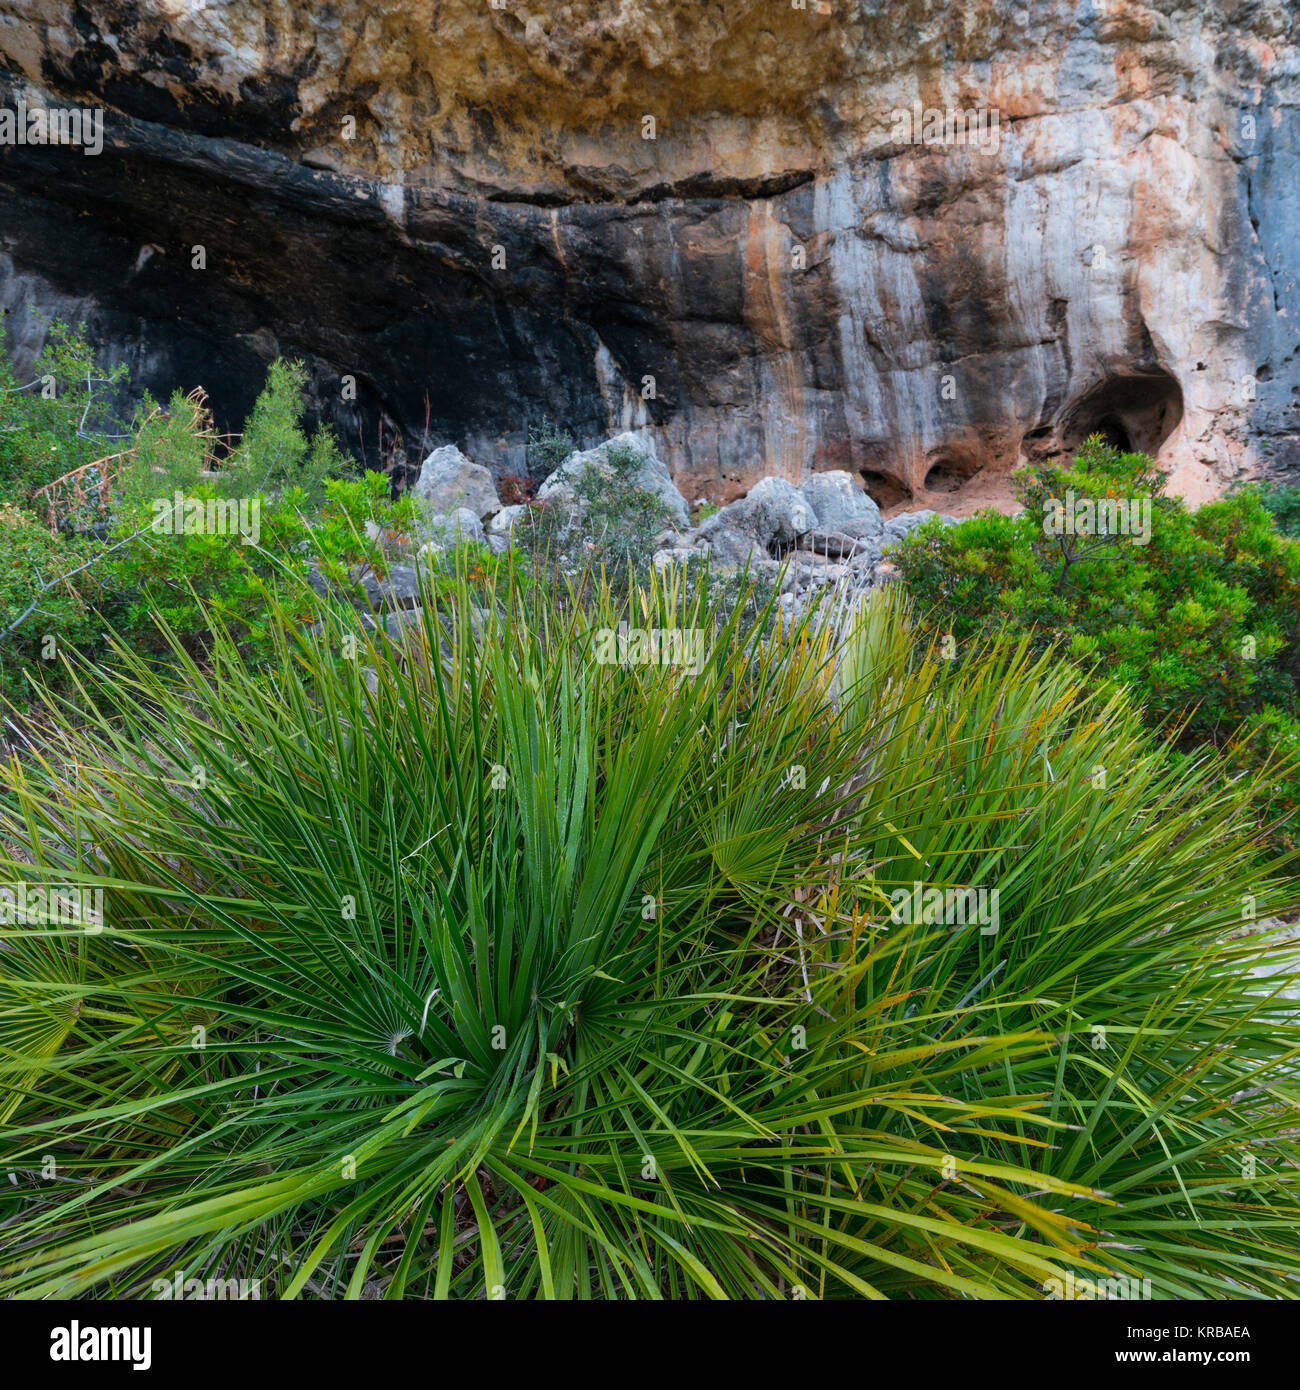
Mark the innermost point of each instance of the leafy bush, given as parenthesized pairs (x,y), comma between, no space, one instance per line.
(359,519)
(197,582)
(474,564)
(274,451)
(170,451)
(484,965)
(57,616)
(277,511)
(548,447)
(188,581)
(1284,504)
(63,417)
(1202,623)
(609,518)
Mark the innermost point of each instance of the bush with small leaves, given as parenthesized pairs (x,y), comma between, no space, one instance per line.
(609,521)
(548,447)
(38,622)
(63,416)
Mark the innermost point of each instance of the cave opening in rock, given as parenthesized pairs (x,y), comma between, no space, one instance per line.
(950,473)
(885,491)
(1133,412)
(1114,433)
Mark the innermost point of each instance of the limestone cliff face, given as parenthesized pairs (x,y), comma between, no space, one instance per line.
(705,219)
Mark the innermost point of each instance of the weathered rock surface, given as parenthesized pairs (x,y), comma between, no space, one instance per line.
(448,481)
(841,504)
(773,514)
(457,205)
(442,532)
(726,546)
(399,588)
(837,545)
(899,526)
(503,523)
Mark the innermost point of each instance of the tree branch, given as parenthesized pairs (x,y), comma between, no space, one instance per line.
(63,579)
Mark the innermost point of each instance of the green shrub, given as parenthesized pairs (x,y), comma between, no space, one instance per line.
(339,539)
(60,419)
(610,520)
(63,615)
(505,969)
(279,511)
(548,447)
(475,564)
(270,512)
(1202,623)
(195,582)
(170,452)
(189,580)
(274,451)
(1283,502)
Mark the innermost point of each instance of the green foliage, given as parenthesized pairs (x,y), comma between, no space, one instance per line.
(621,518)
(277,485)
(205,580)
(608,517)
(548,447)
(1268,743)
(1202,623)
(62,417)
(476,565)
(275,451)
(32,557)
(187,580)
(339,537)
(169,452)
(754,592)
(1284,503)
(482,967)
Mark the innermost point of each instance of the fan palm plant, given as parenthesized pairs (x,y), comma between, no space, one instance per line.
(464,961)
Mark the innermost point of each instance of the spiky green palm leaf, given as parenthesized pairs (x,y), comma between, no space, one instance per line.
(463,964)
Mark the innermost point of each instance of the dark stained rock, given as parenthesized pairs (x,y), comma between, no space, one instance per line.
(454,208)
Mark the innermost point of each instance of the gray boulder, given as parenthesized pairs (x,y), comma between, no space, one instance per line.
(835,545)
(400,588)
(899,526)
(726,546)
(827,572)
(651,475)
(443,532)
(841,504)
(676,555)
(503,524)
(448,481)
(773,514)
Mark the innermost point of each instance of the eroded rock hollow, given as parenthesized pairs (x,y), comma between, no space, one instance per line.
(748,227)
